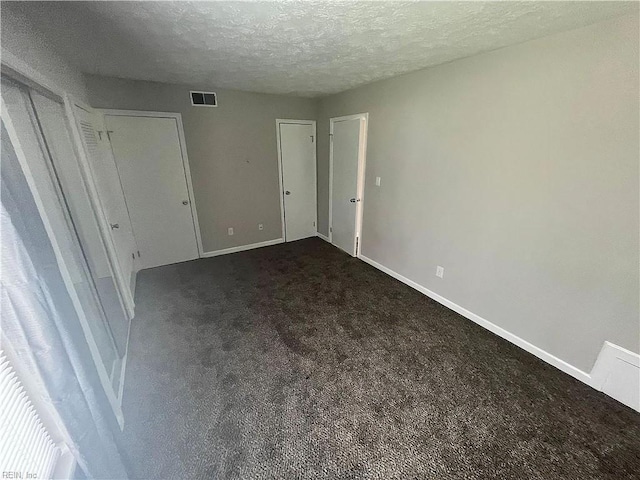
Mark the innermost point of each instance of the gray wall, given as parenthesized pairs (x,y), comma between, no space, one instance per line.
(231,148)
(33,52)
(516,170)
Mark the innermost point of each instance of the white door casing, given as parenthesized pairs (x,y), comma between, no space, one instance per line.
(148,154)
(297,165)
(346,180)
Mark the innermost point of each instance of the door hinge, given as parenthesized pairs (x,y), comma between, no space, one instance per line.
(314,224)
(357,245)
(133,255)
(311,138)
(331,229)
(138,253)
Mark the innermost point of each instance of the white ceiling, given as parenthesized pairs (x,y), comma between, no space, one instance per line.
(301,48)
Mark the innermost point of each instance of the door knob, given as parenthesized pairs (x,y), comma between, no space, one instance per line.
(353,200)
(287,192)
(185,202)
(114,226)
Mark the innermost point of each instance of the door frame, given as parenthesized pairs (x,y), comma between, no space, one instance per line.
(185,158)
(281,121)
(362,162)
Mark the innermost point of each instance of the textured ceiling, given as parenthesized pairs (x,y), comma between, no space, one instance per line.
(301,48)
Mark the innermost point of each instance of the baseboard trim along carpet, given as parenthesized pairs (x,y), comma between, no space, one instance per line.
(615,373)
(242,248)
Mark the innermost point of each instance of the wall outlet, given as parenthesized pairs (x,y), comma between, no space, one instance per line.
(377,181)
(230,230)
(440,271)
(260,226)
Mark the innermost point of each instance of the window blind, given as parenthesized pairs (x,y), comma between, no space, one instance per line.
(26,448)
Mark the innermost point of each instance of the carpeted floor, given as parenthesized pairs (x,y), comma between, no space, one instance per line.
(297,361)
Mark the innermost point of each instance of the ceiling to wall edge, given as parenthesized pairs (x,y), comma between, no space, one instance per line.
(321,97)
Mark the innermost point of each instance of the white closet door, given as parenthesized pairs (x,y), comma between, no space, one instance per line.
(297,153)
(102,177)
(149,158)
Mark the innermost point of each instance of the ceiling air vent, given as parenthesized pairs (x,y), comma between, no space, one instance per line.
(204,99)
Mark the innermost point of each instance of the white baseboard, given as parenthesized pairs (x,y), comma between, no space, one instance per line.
(612,374)
(242,248)
(323,237)
(617,374)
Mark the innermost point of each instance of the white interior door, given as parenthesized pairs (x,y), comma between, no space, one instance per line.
(348,136)
(298,168)
(103,181)
(152,172)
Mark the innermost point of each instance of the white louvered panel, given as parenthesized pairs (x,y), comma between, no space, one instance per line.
(89,135)
(25,445)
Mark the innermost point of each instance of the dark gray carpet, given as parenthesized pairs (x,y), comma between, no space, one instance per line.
(297,361)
